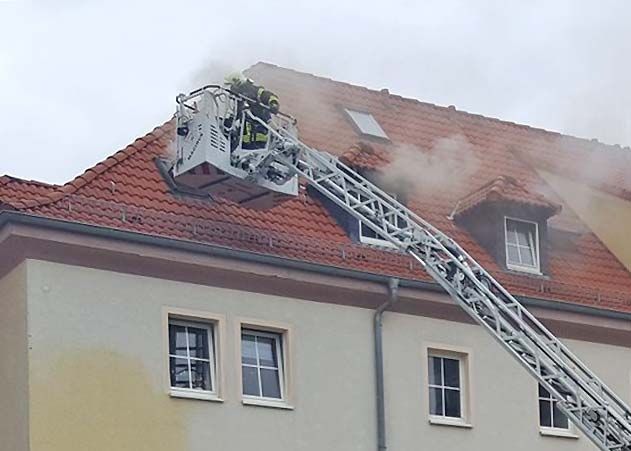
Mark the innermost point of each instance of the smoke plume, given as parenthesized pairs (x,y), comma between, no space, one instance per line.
(448,164)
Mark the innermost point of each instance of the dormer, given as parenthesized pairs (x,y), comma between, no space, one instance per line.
(511,222)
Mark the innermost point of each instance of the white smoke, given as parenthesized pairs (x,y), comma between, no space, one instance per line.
(447,165)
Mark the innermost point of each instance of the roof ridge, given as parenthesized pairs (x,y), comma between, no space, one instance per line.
(99,168)
(6,179)
(450,109)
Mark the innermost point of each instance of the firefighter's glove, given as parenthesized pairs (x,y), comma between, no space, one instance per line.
(274,107)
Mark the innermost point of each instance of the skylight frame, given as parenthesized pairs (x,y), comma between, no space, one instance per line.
(366,123)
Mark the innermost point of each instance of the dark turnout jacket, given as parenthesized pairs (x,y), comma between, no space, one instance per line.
(259,94)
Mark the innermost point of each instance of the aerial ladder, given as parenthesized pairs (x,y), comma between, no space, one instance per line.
(210,159)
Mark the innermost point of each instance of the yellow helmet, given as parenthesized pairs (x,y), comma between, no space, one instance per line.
(234,78)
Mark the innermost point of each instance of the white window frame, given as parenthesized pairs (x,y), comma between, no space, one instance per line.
(464,357)
(536,269)
(215,325)
(379,132)
(282,333)
(278,338)
(569,432)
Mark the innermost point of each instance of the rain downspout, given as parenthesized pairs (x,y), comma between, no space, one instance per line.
(393,296)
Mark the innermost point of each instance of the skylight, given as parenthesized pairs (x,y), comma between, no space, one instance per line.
(367,124)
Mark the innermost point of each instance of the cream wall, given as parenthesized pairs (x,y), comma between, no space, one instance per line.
(98,374)
(13,362)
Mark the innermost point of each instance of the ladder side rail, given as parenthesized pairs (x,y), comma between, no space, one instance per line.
(367,188)
(555,365)
(549,349)
(582,381)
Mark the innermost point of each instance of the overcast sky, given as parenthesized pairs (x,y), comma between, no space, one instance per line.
(81,79)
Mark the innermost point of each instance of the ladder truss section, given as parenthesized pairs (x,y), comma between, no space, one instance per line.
(592,406)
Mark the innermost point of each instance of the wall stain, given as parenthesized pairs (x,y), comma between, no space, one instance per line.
(98,400)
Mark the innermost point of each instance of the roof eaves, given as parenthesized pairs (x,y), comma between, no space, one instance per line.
(15,217)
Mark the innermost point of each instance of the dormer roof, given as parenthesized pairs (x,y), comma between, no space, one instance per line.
(508,190)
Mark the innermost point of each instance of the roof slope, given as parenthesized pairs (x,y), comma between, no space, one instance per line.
(127,190)
(506,189)
(15,191)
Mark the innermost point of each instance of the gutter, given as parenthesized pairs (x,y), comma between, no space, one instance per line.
(20,218)
(393,296)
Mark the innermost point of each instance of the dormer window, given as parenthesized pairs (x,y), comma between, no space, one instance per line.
(366,123)
(510,220)
(522,245)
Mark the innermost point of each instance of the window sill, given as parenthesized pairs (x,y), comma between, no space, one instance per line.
(376,242)
(267,403)
(455,422)
(524,270)
(191,394)
(553,432)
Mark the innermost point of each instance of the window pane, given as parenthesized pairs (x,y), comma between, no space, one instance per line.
(511,235)
(435,377)
(271,384)
(527,257)
(545,414)
(200,374)
(452,372)
(436,401)
(198,342)
(522,236)
(452,403)
(267,351)
(560,420)
(543,393)
(366,231)
(250,381)
(513,254)
(179,373)
(177,340)
(248,349)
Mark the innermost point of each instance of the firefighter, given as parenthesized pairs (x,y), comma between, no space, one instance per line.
(254,133)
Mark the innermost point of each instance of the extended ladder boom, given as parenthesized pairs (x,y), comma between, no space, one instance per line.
(592,406)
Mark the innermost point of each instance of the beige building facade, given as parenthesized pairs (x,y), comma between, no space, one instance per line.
(86,331)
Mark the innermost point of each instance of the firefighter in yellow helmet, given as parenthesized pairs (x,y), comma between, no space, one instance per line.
(254,133)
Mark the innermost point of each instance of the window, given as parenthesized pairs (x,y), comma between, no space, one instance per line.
(445,387)
(262,364)
(522,245)
(192,363)
(369,236)
(366,124)
(549,415)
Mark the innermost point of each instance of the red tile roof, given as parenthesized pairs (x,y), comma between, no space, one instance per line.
(363,156)
(14,191)
(452,154)
(507,189)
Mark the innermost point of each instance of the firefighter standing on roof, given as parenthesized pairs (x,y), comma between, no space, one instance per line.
(254,133)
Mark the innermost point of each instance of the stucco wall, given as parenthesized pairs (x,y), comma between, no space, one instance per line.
(98,374)
(13,362)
